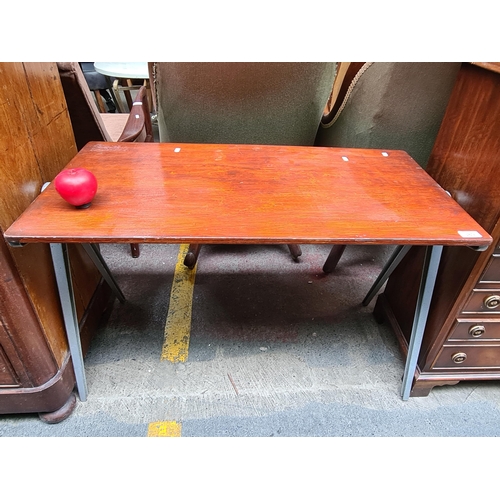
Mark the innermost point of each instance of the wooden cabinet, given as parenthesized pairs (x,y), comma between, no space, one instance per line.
(462,337)
(36,142)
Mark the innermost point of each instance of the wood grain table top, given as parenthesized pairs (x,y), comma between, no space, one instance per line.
(222,193)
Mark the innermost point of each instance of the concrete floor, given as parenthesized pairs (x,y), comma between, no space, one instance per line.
(276,349)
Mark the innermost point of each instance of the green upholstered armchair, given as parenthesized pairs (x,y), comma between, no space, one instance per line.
(388,106)
(240,102)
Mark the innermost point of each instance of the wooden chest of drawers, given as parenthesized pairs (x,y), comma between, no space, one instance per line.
(474,340)
(462,337)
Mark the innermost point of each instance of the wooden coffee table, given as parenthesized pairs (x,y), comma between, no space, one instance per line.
(249,194)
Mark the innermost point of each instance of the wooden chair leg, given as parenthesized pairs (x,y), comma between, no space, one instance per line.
(116,96)
(333,258)
(194,250)
(134,248)
(192,256)
(151,103)
(128,95)
(295,251)
(100,102)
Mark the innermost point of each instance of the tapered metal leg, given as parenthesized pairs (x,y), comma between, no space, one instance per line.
(392,263)
(93,252)
(62,271)
(427,282)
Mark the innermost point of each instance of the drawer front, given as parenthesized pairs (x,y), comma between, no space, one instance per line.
(467,357)
(491,275)
(467,329)
(483,302)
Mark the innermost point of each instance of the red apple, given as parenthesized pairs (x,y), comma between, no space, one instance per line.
(77,186)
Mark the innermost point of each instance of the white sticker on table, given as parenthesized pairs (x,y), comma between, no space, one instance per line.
(470,234)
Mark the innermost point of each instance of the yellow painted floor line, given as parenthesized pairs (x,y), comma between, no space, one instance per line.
(178,325)
(169,428)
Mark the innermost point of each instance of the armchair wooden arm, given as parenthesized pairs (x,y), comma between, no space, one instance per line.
(138,127)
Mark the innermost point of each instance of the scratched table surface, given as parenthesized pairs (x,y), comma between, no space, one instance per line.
(222,193)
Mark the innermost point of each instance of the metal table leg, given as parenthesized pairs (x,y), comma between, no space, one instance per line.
(93,252)
(391,264)
(427,282)
(62,270)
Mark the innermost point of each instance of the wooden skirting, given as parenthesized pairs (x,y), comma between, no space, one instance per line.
(54,393)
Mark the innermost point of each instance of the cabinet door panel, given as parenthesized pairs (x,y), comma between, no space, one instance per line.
(7,375)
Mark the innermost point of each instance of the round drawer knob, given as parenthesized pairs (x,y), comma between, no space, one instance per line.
(459,357)
(492,302)
(476,331)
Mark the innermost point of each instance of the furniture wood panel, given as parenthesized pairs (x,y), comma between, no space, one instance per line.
(492,66)
(491,275)
(465,161)
(8,376)
(36,142)
(22,338)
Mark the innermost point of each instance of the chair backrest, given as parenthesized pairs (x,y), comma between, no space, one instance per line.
(138,127)
(84,115)
(388,105)
(246,103)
